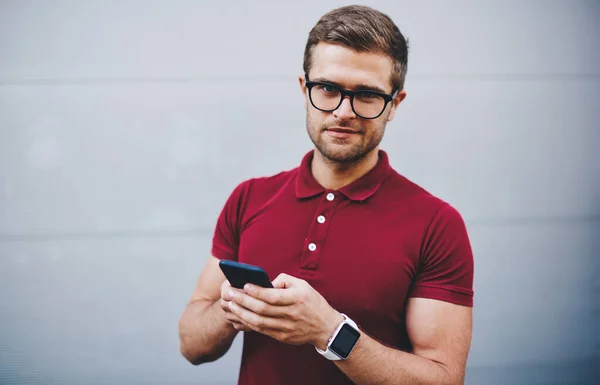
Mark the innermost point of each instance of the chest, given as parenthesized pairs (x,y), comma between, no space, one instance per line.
(362,258)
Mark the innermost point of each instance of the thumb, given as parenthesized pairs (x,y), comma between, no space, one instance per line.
(284,281)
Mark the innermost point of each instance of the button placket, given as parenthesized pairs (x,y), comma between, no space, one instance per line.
(318,231)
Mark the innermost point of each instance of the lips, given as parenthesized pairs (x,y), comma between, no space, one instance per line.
(343,130)
(341,133)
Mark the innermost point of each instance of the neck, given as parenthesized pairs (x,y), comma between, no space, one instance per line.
(334,175)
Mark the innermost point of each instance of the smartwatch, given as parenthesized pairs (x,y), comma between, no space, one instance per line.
(342,341)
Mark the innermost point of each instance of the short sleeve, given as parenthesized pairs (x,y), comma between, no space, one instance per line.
(446,262)
(226,238)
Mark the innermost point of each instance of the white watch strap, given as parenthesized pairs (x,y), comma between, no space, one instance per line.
(330,355)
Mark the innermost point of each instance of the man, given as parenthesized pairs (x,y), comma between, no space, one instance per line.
(373,274)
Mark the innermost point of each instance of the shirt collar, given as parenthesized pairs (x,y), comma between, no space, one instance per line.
(359,190)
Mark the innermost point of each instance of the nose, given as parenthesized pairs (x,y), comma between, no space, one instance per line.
(344,111)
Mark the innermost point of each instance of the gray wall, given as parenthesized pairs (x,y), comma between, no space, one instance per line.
(125,125)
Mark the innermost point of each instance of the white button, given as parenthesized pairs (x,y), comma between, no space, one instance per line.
(321,219)
(330,197)
(312,247)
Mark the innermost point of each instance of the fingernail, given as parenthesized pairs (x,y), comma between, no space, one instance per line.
(231,294)
(247,287)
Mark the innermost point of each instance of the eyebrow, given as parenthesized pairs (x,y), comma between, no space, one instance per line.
(361,86)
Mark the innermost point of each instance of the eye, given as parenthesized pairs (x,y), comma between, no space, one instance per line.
(328,89)
(368,95)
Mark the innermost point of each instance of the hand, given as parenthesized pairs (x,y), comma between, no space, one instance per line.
(293,312)
(226,291)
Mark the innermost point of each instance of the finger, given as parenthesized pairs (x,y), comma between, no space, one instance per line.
(275,297)
(259,307)
(225,307)
(227,289)
(225,286)
(241,327)
(231,317)
(228,294)
(256,321)
(238,325)
(285,281)
(278,297)
(234,320)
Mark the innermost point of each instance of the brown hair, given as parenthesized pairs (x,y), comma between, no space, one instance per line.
(362,29)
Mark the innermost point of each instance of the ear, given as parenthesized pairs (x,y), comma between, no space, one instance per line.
(395,103)
(303,89)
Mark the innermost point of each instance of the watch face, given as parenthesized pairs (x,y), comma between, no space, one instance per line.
(344,341)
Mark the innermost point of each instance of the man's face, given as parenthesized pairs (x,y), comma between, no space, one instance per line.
(341,136)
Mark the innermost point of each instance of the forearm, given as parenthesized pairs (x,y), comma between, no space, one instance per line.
(204,332)
(373,363)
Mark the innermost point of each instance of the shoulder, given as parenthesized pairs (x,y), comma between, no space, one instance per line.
(407,192)
(275,180)
(426,210)
(262,186)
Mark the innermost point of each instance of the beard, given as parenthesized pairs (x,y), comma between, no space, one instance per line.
(345,151)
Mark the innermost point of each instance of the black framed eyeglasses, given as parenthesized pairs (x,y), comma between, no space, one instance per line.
(328,97)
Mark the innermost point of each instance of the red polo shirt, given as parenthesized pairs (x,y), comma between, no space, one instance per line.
(366,248)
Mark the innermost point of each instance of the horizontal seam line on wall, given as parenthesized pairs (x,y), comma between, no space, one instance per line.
(280,77)
(519,221)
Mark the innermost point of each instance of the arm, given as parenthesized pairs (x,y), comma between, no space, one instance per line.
(438,315)
(207,327)
(440,333)
(204,329)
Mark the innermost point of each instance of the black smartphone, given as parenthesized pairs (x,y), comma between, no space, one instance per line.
(238,274)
